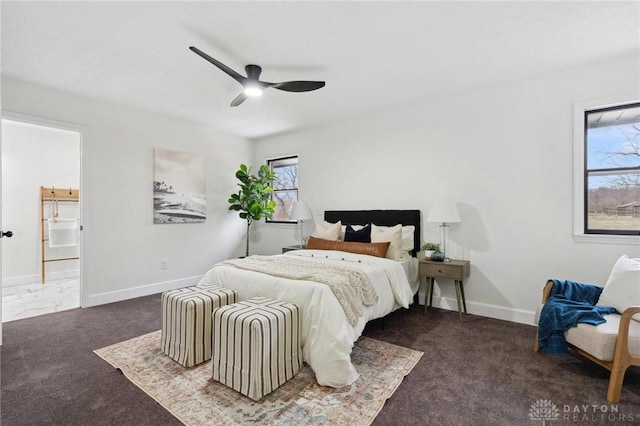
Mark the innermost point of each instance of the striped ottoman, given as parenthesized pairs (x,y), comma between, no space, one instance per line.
(186,322)
(256,345)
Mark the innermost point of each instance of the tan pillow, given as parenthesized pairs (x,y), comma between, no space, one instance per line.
(328,231)
(393,234)
(372,249)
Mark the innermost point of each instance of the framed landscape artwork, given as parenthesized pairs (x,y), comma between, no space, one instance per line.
(179,187)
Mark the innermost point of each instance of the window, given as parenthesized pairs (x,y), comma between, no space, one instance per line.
(611,167)
(285,187)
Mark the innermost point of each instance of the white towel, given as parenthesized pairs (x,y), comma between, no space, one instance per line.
(63,232)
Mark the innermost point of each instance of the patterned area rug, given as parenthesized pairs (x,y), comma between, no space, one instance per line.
(195,399)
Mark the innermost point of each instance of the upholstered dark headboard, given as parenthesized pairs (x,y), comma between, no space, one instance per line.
(380,218)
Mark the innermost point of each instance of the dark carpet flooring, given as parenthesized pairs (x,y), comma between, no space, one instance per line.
(480,372)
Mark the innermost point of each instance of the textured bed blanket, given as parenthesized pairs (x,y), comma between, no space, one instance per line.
(569,303)
(351,286)
(326,335)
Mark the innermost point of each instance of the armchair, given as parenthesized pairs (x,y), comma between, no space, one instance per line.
(615,344)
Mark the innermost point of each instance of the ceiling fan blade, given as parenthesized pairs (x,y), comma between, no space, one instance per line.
(239,99)
(239,78)
(298,86)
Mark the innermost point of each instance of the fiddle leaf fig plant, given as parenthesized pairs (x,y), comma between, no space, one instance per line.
(253,200)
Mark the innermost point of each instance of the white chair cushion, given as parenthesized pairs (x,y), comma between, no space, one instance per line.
(600,340)
(536,319)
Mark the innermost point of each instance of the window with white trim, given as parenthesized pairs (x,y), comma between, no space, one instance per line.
(285,187)
(611,170)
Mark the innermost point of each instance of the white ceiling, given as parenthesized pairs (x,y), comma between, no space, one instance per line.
(374,56)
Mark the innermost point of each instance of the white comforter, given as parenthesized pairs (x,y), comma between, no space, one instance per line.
(327,337)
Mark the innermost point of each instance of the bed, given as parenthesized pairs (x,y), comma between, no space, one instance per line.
(327,331)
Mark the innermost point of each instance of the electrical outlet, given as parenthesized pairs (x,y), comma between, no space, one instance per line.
(164,264)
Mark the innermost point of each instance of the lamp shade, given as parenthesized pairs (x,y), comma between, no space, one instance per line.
(301,211)
(443,210)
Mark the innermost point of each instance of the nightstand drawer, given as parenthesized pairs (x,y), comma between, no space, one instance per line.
(442,270)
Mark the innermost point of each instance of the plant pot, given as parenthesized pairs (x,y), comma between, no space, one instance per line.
(427,254)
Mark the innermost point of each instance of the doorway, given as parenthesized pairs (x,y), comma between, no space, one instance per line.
(41,206)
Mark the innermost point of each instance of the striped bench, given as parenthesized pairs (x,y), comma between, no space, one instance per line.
(256,345)
(186,322)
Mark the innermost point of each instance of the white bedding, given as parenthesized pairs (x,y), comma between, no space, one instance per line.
(327,337)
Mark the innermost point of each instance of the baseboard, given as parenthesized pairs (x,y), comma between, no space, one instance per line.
(132,293)
(35,278)
(484,310)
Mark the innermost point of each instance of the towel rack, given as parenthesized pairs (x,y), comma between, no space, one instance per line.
(54,196)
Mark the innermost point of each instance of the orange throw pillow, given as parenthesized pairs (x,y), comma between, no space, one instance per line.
(372,249)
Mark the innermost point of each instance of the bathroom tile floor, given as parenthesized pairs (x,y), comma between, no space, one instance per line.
(29,300)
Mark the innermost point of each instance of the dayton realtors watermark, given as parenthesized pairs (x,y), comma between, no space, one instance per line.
(545,410)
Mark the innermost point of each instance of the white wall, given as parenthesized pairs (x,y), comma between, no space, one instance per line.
(122,248)
(35,156)
(504,153)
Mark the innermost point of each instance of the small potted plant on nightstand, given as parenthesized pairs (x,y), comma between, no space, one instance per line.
(429,249)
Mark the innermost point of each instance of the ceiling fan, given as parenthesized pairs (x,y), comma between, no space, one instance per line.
(252,84)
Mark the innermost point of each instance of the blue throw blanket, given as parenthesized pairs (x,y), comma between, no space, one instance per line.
(568,304)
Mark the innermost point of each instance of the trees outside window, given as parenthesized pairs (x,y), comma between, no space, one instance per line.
(612,170)
(285,187)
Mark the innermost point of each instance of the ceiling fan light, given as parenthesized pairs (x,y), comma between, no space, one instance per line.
(253,91)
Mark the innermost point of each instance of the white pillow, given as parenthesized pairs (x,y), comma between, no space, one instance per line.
(407,237)
(393,234)
(623,286)
(328,231)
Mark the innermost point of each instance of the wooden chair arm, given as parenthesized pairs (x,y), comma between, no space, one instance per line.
(631,311)
(621,355)
(546,292)
(623,329)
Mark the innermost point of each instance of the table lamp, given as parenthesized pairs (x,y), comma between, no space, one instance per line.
(444,210)
(301,212)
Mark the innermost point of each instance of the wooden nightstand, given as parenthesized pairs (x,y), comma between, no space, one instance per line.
(294,247)
(456,270)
